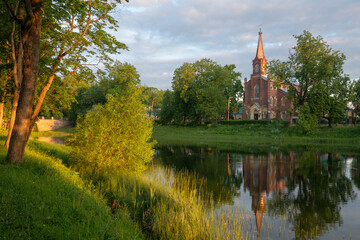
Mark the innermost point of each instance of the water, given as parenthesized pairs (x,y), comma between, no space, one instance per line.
(287,195)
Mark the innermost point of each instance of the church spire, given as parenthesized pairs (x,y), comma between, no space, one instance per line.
(260,49)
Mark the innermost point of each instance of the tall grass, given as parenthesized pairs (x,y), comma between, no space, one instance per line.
(171,205)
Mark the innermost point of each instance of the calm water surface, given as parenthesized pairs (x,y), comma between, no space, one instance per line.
(287,195)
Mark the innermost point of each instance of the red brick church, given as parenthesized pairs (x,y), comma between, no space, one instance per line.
(262,100)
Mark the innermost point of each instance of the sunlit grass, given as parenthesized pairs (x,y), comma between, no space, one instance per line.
(43,199)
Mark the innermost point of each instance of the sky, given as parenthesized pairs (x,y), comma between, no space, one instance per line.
(163,34)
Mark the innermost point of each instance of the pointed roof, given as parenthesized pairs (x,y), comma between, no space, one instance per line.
(260,50)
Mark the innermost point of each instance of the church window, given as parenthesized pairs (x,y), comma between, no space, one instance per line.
(256,92)
(283,101)
(257,68)
(275,100)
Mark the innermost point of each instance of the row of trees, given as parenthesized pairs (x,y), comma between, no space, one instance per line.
(201,92)
(318,86)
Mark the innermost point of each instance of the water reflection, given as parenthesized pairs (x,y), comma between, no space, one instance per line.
(263,175)
(310,189)
(317,189)
(223,181)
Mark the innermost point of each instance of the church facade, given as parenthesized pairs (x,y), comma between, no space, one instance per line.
(262,100)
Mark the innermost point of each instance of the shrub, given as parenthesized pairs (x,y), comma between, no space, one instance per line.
(307,120)
(114,136)
(243,122)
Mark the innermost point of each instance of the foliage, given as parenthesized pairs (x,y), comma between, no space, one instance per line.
(167,109)
(307,120)
(314,74)
(55,203)
(114,136)
(114,78)
(201,92)
(168,205)
(152,97)
(243,122)
(356,98)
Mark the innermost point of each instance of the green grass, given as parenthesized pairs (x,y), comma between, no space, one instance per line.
(173,205)
(261,138)
(43,199)
(60,133)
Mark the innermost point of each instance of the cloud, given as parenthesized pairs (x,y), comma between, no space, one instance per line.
(163,34)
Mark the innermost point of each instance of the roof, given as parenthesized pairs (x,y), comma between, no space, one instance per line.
(260,50)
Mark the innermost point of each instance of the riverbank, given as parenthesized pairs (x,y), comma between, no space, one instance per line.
(256,137)
(44,199)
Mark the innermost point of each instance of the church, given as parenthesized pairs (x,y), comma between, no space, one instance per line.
(262,100)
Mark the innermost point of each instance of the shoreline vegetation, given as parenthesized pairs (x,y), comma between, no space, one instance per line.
(261,138)
(60,201)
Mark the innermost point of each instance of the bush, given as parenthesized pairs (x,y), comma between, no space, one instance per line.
(243,122)
(114,136)
(307,120)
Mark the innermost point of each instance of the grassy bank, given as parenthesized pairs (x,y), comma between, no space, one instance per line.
(260,138)
(43,199)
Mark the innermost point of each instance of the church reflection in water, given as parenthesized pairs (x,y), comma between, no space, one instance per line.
(264,175)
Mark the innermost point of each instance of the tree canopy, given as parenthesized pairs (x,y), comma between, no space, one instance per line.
(201,91)
(60,41)
(315,76)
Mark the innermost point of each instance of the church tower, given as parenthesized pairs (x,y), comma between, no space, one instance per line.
(261,99)
(259,63)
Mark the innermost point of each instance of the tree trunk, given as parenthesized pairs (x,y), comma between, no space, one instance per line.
(31,43)
(17,71)
(1,113)
(12,116)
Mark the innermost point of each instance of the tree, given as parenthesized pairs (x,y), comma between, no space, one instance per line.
(152,98)
(115,136)
(356,99)
(202,90)
(314,74)
(73,32)
(167,108)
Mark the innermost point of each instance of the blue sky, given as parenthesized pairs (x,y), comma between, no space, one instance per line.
(163,34)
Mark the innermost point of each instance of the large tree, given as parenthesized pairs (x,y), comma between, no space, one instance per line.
(314,74)
(73,35)
(202,90)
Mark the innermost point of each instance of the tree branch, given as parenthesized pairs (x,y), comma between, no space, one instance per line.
(12,12)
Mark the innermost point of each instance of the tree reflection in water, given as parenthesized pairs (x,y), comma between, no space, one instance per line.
(315,191)
(307,187)
(223,182)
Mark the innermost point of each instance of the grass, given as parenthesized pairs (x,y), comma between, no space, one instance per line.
(262,138)
(43,199)
(171,205)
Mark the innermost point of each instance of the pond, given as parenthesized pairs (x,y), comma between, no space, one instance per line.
(287,195)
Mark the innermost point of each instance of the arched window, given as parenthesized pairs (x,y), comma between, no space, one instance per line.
(283,101)
(256,92)
(275,101)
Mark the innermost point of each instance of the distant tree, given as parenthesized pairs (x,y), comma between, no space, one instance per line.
(202,90)
(152,97)
(314,74)
(115,137)
(356,99)
(166,114)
